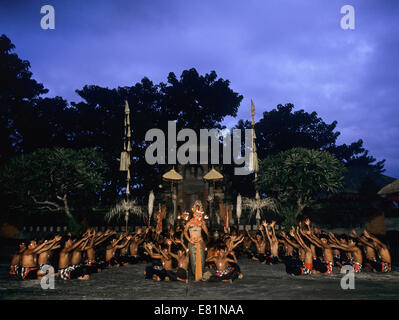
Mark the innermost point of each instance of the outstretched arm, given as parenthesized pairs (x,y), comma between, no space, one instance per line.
(124,244)
(210,259)
(313,239)
(149,248)
(368,235)
(77,244)
(300,240)
(172,254)
(267,231)
(41,246)
(48,246)
(237,242)
(249,235)
(182,244)
(366,243)
(291,243)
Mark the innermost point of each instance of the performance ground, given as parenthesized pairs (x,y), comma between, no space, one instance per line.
(260,282)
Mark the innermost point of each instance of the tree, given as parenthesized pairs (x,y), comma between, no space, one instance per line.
(296,177)
(282,129)
(54,180)
(17,89)
(193,101)
(199,102)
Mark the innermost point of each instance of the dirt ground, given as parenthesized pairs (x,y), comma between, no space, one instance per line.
(259,282)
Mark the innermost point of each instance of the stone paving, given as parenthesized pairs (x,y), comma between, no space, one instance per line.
(260,282)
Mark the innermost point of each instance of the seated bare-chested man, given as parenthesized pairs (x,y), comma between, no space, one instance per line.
(306,225)
(77,254)
(98,238)
(274,243)
(15,264)
(224,271)
(352,246)
(182,258)
(288,249)
(157,270)
(322,241)
(232,242)
(44,257)
(260,243)
(135,242)
(385,263)
(29,258)
(65,270)
(370,254)
(304,265)
(112,247)
(123,257)
(246,247)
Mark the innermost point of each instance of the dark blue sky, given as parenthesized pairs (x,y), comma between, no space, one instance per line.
(273,51)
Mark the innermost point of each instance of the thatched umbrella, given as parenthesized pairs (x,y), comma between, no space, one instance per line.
(391,189)
(173,177)
(211,177)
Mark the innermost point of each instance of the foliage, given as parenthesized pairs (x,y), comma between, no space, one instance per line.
(298,176)
(29,122)
(17,91)
(282,129)
(74,227)
(53,179)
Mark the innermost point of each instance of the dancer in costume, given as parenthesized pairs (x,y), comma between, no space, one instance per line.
(192,232)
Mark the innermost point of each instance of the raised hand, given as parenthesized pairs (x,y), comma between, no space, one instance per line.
(354,234)
(264,223)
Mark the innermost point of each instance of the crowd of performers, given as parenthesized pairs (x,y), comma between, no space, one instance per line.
(189,249)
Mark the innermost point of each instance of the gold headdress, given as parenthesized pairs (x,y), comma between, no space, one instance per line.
(197,207)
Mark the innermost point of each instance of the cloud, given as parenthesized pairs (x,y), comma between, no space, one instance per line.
(271,51)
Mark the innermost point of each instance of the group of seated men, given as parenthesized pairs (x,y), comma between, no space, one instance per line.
(170,258)
(75,258)
(304,250)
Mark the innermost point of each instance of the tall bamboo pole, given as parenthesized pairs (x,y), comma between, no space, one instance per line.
(125,158)
(255,159)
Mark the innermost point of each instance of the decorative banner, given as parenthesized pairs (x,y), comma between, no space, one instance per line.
(151,199)
(239,207)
